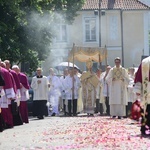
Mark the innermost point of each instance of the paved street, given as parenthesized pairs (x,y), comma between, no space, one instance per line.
(78,133)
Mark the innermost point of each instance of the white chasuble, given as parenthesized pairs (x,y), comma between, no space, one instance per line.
(118,80)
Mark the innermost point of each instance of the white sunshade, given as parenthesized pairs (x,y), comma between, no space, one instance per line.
(64,65)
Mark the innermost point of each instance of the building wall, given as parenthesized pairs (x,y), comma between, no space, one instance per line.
(111,34)
(133,37)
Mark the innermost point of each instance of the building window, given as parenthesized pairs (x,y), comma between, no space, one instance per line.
(90,29)
(113,28)
(61,33)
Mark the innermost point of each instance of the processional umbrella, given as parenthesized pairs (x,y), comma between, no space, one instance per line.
(84,54)
(66,64)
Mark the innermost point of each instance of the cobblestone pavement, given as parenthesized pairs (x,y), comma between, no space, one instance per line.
(75,133)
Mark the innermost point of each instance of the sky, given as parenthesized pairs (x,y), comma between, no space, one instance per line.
(146,2)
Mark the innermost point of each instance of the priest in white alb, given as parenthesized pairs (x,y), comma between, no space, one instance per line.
(54,92)
(118,81)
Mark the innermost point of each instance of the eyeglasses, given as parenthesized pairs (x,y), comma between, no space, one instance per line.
(117,62)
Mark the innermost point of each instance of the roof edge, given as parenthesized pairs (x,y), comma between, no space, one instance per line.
(144,4)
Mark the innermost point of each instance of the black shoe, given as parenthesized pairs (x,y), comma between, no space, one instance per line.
(74,114)
(40,117)
(53,114)
(107,114)
(125,117)
(114,117)
(7,126)
(101,114)
(65,114)
(143,129)
(119,117)
(69,114)
(90,115)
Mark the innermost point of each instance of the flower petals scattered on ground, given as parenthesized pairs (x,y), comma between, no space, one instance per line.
(94,133)
(76,133)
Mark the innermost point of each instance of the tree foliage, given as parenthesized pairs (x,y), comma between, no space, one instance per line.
(25,28)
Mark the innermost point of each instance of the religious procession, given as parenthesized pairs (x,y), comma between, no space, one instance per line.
(116,92)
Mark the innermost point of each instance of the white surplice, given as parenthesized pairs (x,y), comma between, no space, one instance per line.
(69,86)
(131,93)
(40,90)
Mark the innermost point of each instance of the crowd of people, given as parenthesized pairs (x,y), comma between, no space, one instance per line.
(115,92)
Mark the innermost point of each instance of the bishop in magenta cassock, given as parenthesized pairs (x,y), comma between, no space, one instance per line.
(8,95)
(24,94)
(17,120)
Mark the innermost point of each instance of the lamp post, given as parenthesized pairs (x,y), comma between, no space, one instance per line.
(98,12)
(122,39)
(99,22)
(100,63)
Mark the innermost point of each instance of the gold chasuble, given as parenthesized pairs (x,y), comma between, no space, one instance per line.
(117,73)
(89,82)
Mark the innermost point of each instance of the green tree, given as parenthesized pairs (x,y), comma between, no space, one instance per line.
(25,28)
